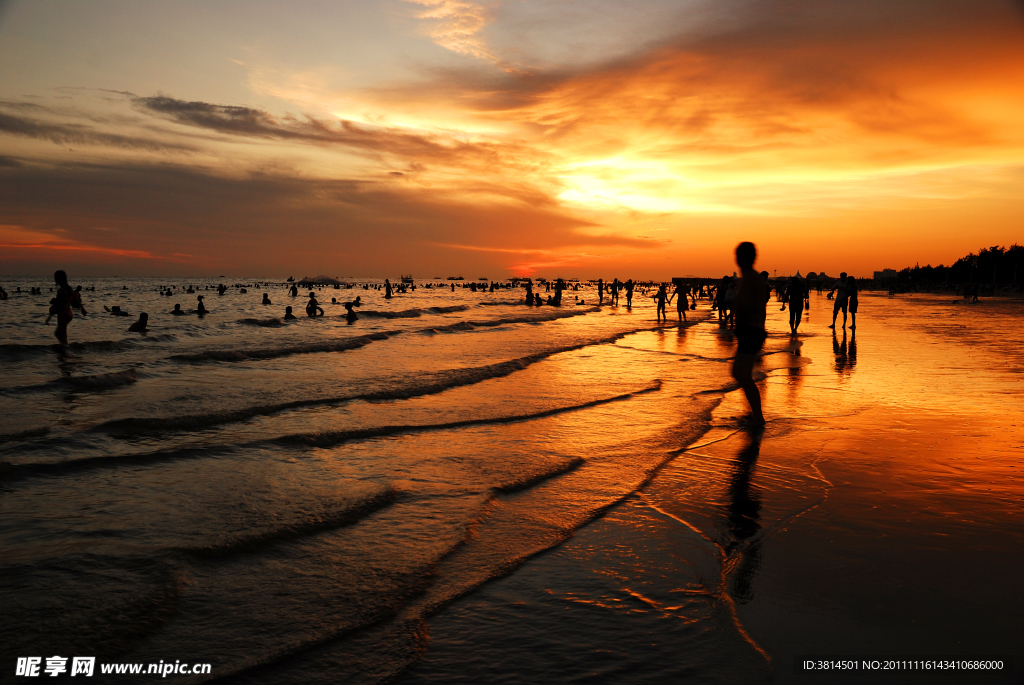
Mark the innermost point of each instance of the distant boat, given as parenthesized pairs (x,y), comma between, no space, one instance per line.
(483,278)
(456,278)
(290,279)
(407,279)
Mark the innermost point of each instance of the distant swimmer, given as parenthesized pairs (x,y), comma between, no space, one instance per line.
(312,307)
(116,311)
(177,310)
(140,325)
(750,309)
(358,302)
(3,293)
(288,313)
(266,299)
(76,300)
(387,289)
(294,290)
(661,297)
(221,289)
(842,299)
(350,315)
(529,293)
(200,308)
(62,306)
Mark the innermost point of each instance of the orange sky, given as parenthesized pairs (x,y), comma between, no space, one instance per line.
(438,137)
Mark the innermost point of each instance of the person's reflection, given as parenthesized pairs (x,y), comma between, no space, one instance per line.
(744,521)
(852,355)
(839,350)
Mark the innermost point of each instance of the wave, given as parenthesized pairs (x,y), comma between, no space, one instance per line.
(15,350)
(274,352)
(334,438)
(411,313)
(101,381)
(30,470)
(429,385)
(489,323)
(265,323)
(528,482)
(24,435)
(312,525)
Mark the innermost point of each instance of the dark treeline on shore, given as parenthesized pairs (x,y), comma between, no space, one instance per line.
(996,267)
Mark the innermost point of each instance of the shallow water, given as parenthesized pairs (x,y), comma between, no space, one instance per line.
(293,502)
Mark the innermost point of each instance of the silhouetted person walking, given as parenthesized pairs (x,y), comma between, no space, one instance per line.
(749,308)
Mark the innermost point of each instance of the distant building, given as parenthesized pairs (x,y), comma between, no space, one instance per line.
(886,275)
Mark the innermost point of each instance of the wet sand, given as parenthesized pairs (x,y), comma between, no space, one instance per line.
(878,514)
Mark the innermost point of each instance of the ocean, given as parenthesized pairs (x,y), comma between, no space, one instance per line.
(297,501)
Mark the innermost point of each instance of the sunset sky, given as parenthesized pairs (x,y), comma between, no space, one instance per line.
(579,138)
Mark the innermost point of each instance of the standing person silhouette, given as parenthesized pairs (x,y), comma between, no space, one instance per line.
(851,289)
(387,289)
(842,299)
(661,297)
(62,306)
(629,294)
(682,303)
(600,291)
(795,292)
(750,311)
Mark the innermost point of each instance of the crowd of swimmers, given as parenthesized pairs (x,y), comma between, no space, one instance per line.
(793,292)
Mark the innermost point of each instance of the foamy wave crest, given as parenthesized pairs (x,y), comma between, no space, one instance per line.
(333,438)
(488,323)
(274,352)
(311,524)
(102,381)
(411,313)
(425,385)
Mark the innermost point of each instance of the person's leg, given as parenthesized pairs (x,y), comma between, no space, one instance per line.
(743,371)
(853,320)
(62,329)
(844,316)
(835,313)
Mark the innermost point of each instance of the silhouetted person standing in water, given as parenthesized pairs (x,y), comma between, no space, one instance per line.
(682,303)
(62,306)
(288,314)
(350,315)
(200,307)
(795,292)
(266,299)
(851,289)
(387,289)
(842,299)
(661,298)
(600,291)
(629,294)
(529,293)
(750,310)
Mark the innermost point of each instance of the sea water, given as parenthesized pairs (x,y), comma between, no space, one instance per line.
(292,501)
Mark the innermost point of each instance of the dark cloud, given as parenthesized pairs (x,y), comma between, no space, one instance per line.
(9,162)
(255,123)
(265,223)
(65,134)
